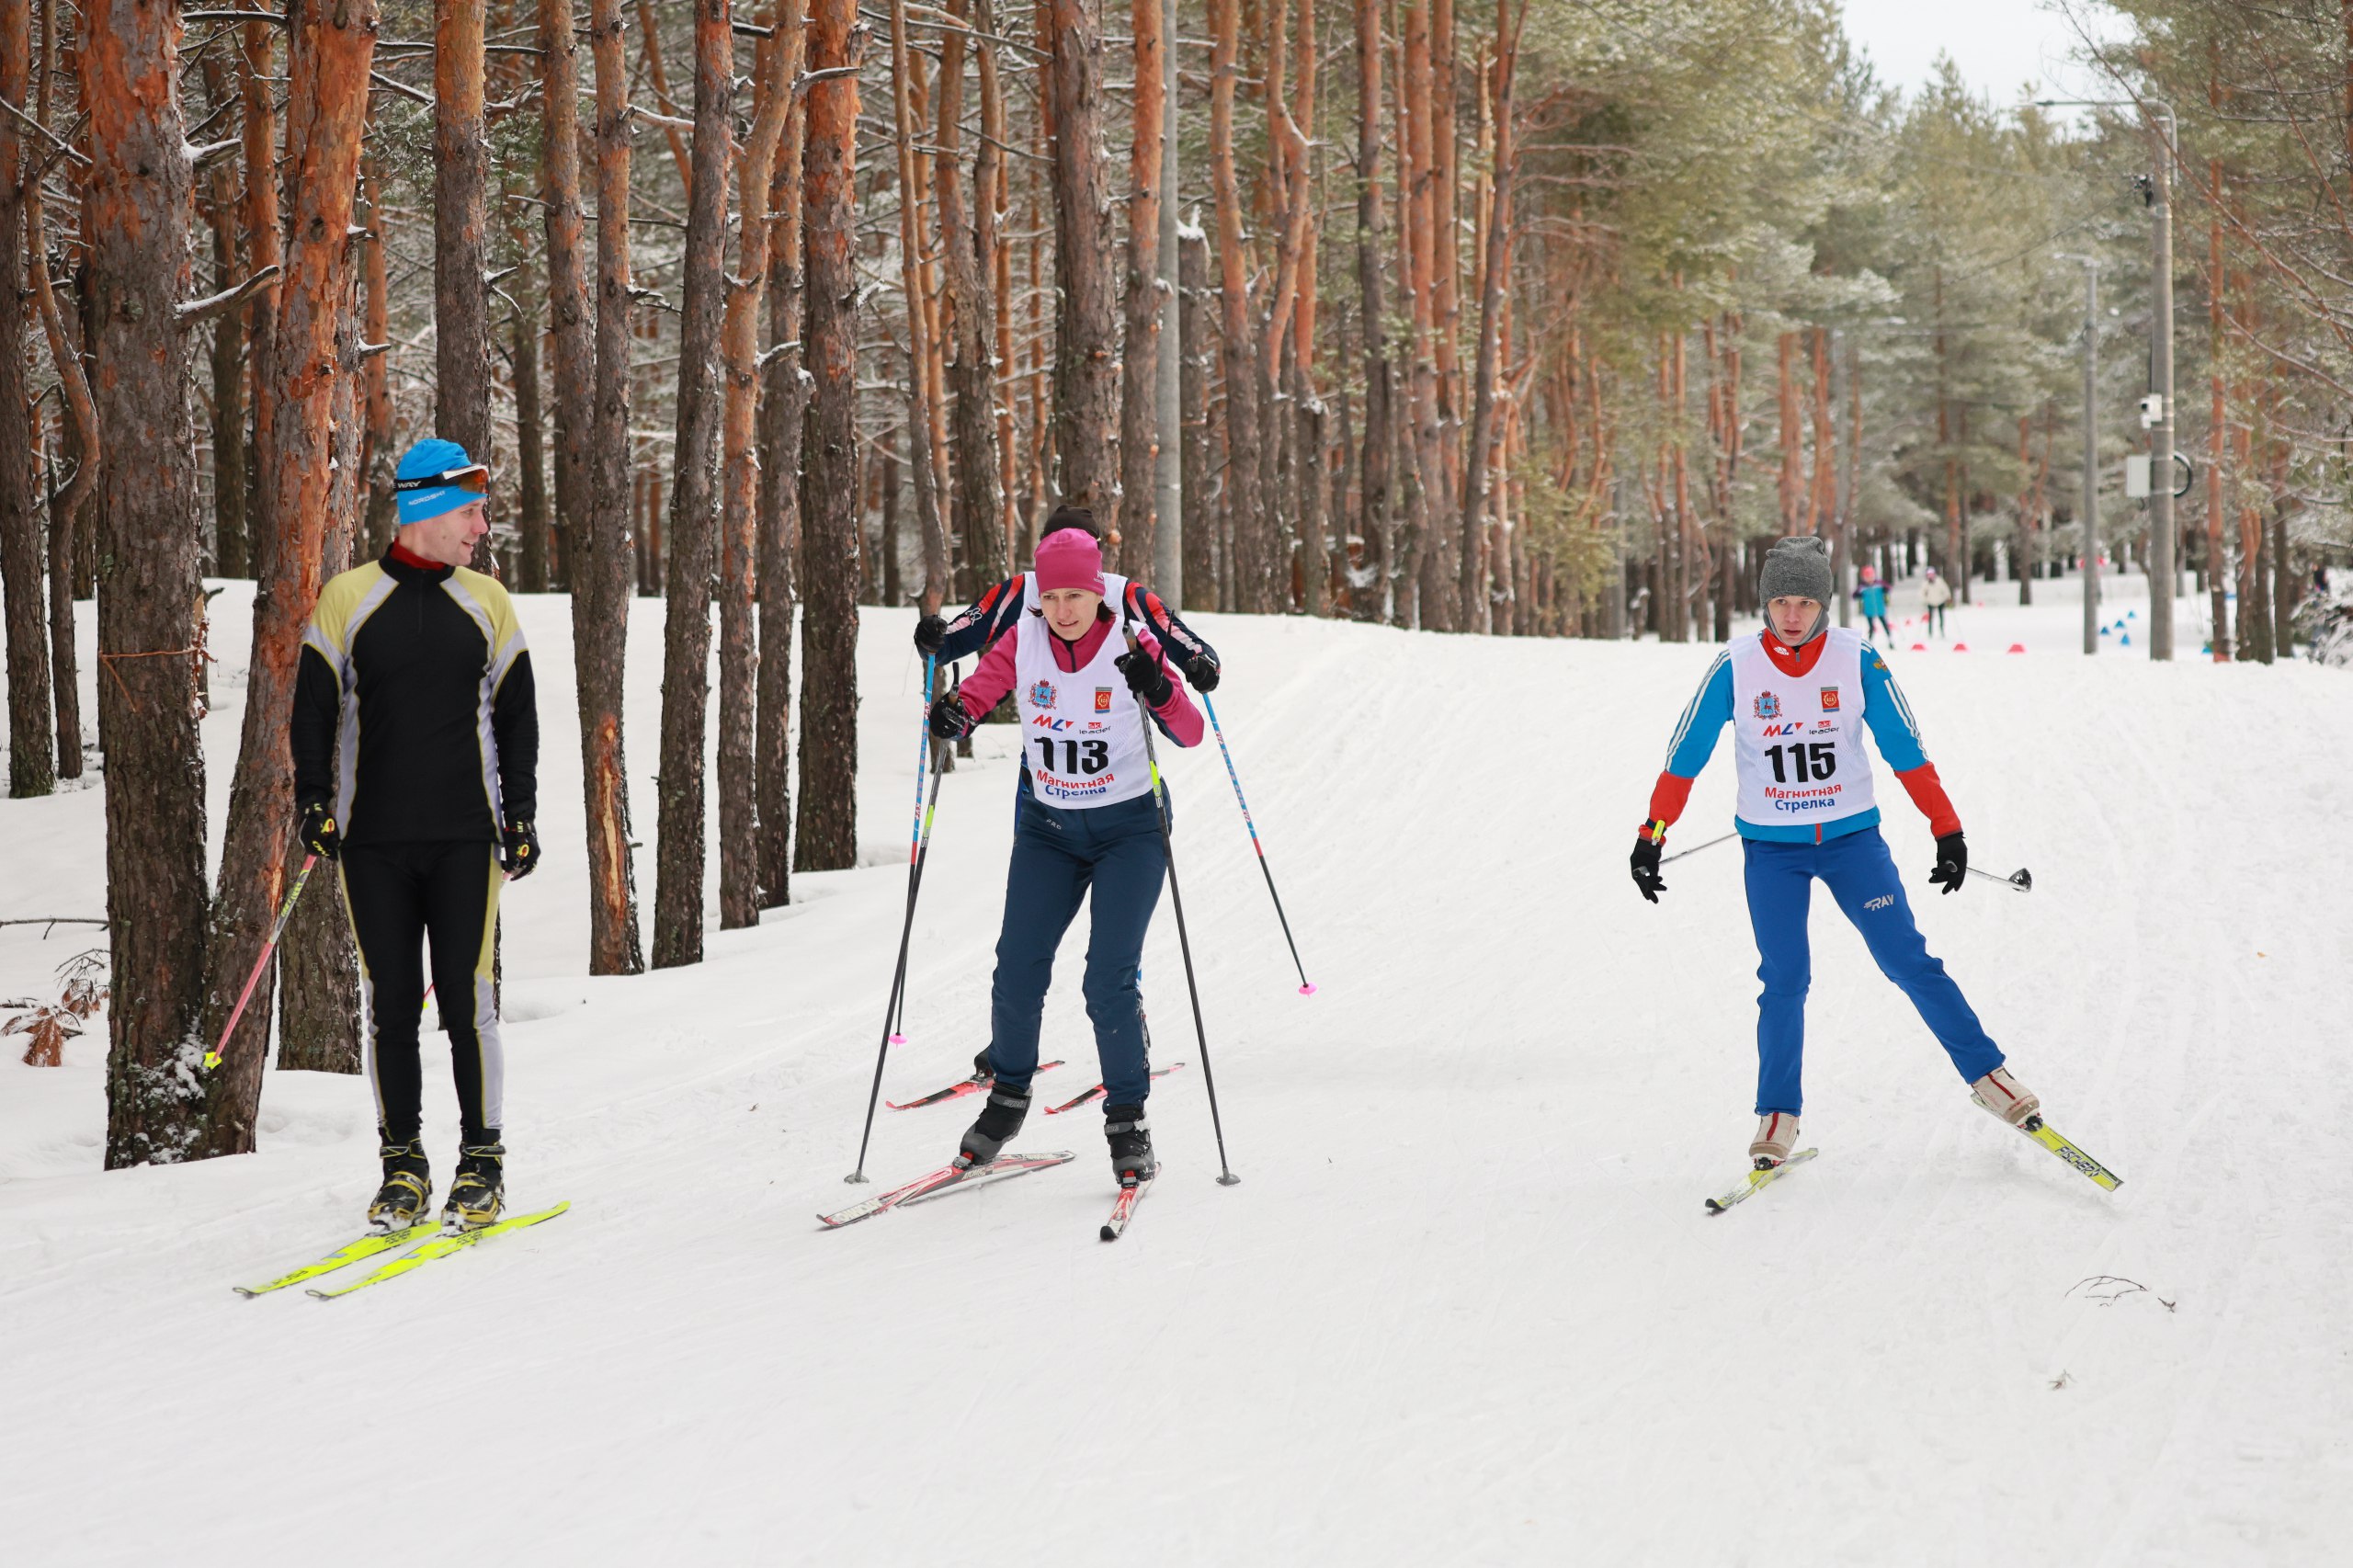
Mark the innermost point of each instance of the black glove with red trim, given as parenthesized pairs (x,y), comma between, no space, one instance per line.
(1145,677)
(950,719)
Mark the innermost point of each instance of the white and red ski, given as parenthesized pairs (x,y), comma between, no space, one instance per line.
(1096,1091)
(971,1085)
(1123,1207)
(936,1183)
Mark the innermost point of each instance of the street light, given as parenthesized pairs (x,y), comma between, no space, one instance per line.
(2090,506)
(2161,539)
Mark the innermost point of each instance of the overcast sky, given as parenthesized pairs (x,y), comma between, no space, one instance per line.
(1998,44)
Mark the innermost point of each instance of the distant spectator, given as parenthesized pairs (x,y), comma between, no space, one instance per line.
(1873,593)
(1936,594)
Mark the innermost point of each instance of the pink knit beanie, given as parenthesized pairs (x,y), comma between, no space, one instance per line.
(1070,560)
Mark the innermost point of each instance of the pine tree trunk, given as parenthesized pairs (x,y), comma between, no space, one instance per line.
(32,761)
(1252,564)
(1087,386)
(265,248)
(379,463)
(1377,520)
(971,313)
(460,298)
(228,351)
(685,641)
(602,569)
(1495,265)
(783,418)
(825,837)
(919,344)
(531,457)
(777,62)
(1140,434)
(138,211)
(328,71)
(569,335)
(1193,419)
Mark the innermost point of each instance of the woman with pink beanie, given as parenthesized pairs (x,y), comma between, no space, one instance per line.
(1087,677)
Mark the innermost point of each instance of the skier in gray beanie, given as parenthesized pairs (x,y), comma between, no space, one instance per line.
(1799,568)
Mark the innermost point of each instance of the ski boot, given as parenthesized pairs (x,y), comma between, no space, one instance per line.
(408,1186)
(478,1189)
(1130,1136)
(1777,1134)
(2008,1098)
(999,1119)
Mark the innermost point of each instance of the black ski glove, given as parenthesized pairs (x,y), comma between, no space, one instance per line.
(319,833)
(518,849)
(931,632)
(950,721)
(1202,670)
(1953,863)
(1644,861)
(1145,677)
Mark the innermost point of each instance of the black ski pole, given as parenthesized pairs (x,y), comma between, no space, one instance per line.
(933,751)
(1305,988)
(1184,942)
(917,852)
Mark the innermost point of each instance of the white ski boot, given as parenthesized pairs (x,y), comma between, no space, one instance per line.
(2005,1098)
(1777,1134)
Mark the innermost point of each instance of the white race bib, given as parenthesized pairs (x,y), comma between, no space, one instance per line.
(1082,731)
(1798,740)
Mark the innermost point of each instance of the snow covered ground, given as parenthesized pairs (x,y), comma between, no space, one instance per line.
(1464,1306)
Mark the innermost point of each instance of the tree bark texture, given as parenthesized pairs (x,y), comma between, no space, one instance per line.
(919,344)
(1254,564)
(1140,434)
(530,454)
(1378,522)
(776,63)
(328,54)
(228,368)
(376,401)
(32,758)
(139,184)
(1085,337)
(694,497)
(1493,268)
(1199,526)
(461,298)
(784,404)
(604,568)
(572,351)
(825,837)
(265,248)
(971,376)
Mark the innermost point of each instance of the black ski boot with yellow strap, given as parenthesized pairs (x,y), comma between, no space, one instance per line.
(478,1189)
(408,1186)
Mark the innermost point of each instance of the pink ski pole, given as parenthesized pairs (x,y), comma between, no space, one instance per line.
(213,1057)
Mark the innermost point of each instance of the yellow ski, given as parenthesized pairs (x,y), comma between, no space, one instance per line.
(2052,1139)
(1756,1180)
(441,1246)
(366,1247)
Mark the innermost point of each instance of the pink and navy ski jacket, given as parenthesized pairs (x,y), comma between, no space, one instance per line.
(999,609)
(1884,710)
(986,687)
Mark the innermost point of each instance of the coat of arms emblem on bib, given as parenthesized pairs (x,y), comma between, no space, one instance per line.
(1041,694)
(1767,705)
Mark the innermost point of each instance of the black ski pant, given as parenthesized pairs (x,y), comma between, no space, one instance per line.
(401,898)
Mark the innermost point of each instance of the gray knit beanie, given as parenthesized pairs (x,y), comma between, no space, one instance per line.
(1799,567)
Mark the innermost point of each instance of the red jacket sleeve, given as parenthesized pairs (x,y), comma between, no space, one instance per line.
(1927,792)
(987,684)
(1668,796)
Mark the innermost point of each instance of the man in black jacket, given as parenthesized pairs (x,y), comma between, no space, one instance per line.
(416,740)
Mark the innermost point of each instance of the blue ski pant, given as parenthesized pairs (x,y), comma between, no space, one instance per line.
(1058,854)
(1862,876)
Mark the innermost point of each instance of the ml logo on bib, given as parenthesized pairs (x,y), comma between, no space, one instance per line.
(1041,694)
(1767,705)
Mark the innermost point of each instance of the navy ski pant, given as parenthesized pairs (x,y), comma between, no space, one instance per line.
(1862,876)
(402,897)
(1058,855)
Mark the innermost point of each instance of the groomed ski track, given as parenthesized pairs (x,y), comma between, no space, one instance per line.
(1465,1306)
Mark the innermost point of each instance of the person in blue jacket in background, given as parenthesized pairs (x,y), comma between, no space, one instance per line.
(1873,593)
